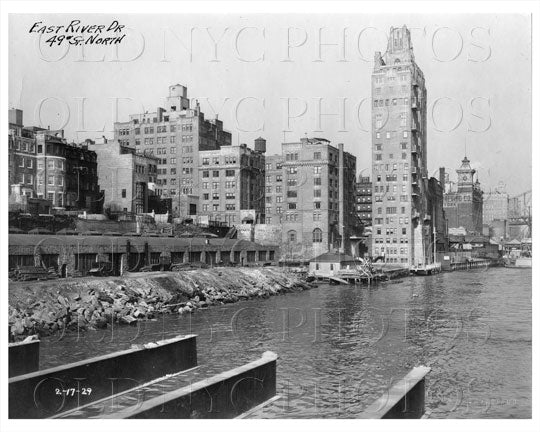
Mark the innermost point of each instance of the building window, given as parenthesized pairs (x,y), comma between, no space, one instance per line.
(317,155)
(317,235)
(124,193)
(291,236)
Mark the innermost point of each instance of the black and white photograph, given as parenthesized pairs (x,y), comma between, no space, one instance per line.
(269,211)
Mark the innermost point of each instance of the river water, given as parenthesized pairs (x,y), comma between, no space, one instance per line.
(340,347)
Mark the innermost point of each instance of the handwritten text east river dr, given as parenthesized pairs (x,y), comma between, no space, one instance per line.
(76,33)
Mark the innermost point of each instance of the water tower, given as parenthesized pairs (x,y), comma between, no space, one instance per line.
(260,145)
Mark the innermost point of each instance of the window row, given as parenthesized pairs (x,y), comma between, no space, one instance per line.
(403,166)
(391,134)
(317,236)
(215,207)
(216,196)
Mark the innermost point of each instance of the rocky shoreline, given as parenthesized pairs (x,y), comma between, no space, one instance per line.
(48,307)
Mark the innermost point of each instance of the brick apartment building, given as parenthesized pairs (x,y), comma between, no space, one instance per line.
(42,164)
(232,179)
(175,135)
(126,177)
(21,155)
(364,203)
(310,192)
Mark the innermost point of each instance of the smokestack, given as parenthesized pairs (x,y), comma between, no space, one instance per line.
(341,222)
(442,176)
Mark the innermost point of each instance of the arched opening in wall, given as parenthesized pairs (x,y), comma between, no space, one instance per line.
(317,235)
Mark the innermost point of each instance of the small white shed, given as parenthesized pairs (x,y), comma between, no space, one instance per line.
(329,263)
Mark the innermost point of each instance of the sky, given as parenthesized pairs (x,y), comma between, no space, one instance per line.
(278,76)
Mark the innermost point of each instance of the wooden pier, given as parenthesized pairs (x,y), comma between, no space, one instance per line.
(468,265)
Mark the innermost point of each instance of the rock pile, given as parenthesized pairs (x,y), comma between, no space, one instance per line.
(48,307)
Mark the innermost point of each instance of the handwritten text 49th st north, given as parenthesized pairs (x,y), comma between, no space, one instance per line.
(76,33)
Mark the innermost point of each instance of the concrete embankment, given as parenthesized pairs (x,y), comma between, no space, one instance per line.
(69,304)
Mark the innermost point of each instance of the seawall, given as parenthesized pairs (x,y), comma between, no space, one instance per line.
(84,303)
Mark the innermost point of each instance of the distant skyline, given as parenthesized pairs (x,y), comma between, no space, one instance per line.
(483,60)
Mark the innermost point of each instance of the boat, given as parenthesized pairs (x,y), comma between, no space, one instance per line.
(523,260)
(428,269)
(519,257)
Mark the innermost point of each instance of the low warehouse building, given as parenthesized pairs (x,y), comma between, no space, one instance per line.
(71,255)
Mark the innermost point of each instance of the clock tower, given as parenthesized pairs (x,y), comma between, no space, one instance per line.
(465,174)
(464,206)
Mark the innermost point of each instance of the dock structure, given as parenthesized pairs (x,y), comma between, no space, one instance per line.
(472,264)
(23,357)
(156,380)
(404,400)
(48,392)
(226,395)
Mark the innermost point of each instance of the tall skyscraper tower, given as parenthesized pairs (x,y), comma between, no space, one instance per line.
(402,231)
